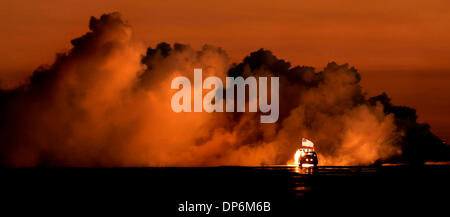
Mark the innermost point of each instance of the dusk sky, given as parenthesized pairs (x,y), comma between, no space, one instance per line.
(401,48)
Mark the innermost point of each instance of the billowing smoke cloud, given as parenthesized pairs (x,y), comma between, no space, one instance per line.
(107,103)
(329,108)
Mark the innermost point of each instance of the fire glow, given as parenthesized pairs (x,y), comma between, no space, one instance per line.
(99,105)
(213,101)
(305,147)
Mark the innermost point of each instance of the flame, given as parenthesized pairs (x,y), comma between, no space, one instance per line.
(300,152)
(307,165)
(297,157)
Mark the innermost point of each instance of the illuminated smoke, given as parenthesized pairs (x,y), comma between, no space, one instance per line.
(107,103)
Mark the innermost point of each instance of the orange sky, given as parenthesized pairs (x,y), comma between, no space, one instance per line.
(400,47)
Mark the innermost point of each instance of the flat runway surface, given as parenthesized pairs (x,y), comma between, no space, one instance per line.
(290,191)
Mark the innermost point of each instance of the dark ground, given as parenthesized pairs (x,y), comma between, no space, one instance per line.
(356,191)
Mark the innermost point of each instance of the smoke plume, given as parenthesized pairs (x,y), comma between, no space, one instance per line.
(106,103)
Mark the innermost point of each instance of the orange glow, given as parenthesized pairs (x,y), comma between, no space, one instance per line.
(297,156)
(385,40)
(377,42)
(307,165)
(306,146)
(307,143)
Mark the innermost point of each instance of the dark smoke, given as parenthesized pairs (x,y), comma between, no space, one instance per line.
(107,103)
(418,143)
